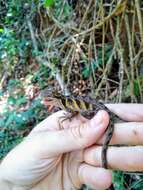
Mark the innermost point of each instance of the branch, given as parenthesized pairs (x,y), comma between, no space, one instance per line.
(55,71)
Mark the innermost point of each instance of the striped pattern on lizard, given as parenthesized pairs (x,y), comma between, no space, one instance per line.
(87,107)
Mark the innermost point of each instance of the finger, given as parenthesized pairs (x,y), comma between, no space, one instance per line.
(52,122)
(91,176)
(75,138)
(130,133)
(119,158)
(128,112)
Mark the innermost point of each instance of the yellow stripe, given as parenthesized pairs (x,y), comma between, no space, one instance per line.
(76,106)
(90,107)
(68,105)
(83,105)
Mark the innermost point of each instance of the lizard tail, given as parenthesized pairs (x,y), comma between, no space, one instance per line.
(108,137)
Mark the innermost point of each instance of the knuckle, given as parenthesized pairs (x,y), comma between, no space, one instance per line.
(79,135)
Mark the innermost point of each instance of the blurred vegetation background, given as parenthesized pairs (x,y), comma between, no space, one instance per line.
(85,47)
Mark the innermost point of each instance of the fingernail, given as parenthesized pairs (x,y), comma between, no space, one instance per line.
(97,119)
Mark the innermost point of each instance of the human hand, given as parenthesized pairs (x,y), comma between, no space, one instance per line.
(40,162)
(53,158)
(128,157)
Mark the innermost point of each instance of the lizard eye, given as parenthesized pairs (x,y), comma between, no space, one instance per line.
(48,101)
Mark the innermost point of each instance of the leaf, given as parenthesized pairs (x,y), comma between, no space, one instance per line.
(136,88)
(49,3)
(120,8)
(2,123)
(91,67)
(10,119)
(1,30)
(118,179)
(22,100)
(88,69)
(11,100)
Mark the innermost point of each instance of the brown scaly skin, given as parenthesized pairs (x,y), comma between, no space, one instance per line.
(87,107)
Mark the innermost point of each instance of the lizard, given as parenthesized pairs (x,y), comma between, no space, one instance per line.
(87,107)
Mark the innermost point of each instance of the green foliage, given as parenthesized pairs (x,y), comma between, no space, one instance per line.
(87,188)
(94,64)
(1,30)
(118,178)
(14,36)
(41,76)
(8,140)
(15,41)
(137,87)
(8,44)
(62,11)
(17,117)
(134,182)
(137,184)
(13,83)
(49,3)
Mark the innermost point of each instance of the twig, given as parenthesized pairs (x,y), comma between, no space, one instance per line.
(120,51)
(55,72)
(130,59)
(105,71)
(98,26)
(85,14)
(137,4)
(103,37)
(35,45)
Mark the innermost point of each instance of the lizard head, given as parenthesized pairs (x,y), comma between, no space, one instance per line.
(50,98)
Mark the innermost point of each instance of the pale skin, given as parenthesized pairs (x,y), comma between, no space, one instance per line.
(64,159)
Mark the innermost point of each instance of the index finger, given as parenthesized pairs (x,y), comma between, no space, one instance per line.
(53,122)
(128,111)
(124,158)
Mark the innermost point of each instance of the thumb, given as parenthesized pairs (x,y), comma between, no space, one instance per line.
(75,138)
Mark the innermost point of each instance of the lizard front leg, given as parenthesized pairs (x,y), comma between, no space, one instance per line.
(67,116)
